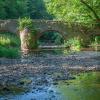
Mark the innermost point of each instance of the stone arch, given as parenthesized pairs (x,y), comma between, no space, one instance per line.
(39,34)
(51,41)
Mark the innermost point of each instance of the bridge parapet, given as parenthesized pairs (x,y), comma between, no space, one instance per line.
(64,28)
(10,25)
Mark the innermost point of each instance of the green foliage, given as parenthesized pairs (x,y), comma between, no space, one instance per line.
(9,52)
(35,9)
(12,9)
(27,23)
(9,45)
(51,37)
(81,11)
(95,43)
(74,10)
(74,44)
(9,40)
(97,39)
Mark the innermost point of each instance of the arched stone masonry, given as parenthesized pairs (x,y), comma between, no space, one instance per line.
(64,28)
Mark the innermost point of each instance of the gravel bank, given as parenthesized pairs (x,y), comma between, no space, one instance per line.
(12,69)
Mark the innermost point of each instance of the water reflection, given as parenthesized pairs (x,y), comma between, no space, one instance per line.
(45,77)
(85,87)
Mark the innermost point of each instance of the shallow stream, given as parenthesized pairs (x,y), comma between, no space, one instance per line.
(53,84)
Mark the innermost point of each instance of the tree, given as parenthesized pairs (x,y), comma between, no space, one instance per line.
(10,9)
(97,18)
(2,10)
(74,10)
(36,9)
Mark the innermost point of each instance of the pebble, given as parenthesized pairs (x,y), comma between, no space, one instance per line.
(51,91)
(55,83)
(45,67)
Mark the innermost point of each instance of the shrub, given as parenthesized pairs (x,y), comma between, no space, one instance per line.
(95,42)
(9,52)
(27,23)
(9,40)
(9,45)
(74,44)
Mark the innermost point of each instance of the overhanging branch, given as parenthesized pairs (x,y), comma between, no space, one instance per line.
(91,9)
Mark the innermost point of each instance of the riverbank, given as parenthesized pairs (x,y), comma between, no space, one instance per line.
(48,75)
(39,63)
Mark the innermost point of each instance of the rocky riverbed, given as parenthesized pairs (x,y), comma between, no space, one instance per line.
(43,63)
(34,76)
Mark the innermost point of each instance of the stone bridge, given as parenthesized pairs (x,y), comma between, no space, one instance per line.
(42,26)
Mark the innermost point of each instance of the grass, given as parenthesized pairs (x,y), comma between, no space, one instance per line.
(9,45)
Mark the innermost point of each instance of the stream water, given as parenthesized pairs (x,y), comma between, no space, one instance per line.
(55,85)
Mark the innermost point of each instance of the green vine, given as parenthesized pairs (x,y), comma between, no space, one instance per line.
(27,23)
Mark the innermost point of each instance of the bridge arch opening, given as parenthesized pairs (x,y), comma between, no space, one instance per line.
(50,38)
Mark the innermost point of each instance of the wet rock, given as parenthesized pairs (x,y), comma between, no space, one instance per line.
(51,91)
(44,73)
(25,81)
(21,83)
(5,89)
(40,88)
(58,76)
(41,82)
(53,96)
(32,99)
(34,87)
(55,83)
(43,70)
(72,78)
(33,91)
(5,99)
